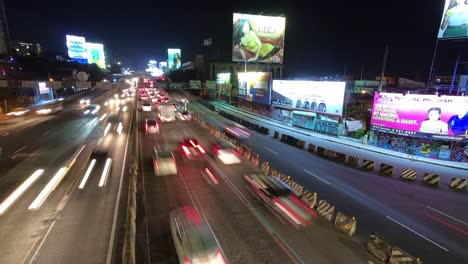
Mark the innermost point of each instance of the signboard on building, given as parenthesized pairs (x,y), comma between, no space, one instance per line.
(254,86)
(425,116)
(258,38)
(316,96)
(76,46)
(210,85)
(454,20)
(174,58)
(43,89)
(194,84)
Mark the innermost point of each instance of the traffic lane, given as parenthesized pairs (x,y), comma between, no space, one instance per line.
(359,204)
(82,234)
(241,237)
(301,244)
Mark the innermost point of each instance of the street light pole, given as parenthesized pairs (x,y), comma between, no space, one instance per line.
(384,63)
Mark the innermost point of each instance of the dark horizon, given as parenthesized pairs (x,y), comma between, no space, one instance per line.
(315,43)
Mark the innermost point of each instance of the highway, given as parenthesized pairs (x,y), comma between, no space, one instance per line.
(430,223)
(52,220)
(247,231)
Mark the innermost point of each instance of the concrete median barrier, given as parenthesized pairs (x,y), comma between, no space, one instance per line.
(276,134)
(299,189)
(458,184)
(431,179)
(353,161)
(345,224)
(265,168)
(320,151)
(254,159)
(386,169)
(326,210)
(309,198)
(368,165)
(300,144)
(399,256)
(379,248)
(408,174)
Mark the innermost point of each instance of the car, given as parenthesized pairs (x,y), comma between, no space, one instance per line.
(225,152)
(237,131)
(278,196)
(151,126)
(193,237)
(191,149)
(164,161)
(146,106)
(184,116)
(92,109)
(85,101)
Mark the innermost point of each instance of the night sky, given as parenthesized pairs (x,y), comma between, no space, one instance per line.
(322,37)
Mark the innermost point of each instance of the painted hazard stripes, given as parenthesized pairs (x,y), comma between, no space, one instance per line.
(458,184)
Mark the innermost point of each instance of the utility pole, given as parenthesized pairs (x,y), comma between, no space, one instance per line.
(384,63)
(4,33)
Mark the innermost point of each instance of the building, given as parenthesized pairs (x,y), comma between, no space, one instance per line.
(20,48)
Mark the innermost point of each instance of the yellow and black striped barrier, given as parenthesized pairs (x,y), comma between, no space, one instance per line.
(431,179)
(265,168)
(311,148)
(379,248)
(320,151)
(297,187)
(300,144)
(368,165)
(458,184)
(275,173)
(276,134)
(326,210)
(386,170)
(399,256)
(408,174)
(309,198)
(345,224)
(353,161)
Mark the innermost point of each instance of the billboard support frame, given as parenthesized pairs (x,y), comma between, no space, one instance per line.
(431,72)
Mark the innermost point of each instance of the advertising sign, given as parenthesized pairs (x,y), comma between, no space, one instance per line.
(454,20)
(77,48)
(254,86)
(174,58)
(317,96)
(43,89)
(223,78)
(425,116)
(258,38)
(96,54)
(210,85)
(194,84)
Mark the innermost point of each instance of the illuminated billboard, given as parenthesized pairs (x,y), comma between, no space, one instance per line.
(254,86)
(426,116)
(258,38)
(326,97)
(174,58)
(76,46)
(454,22)
(223,78)
(96,54)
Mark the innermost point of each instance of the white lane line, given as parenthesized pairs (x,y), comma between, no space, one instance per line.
(20,149)
(117,204)
(105,172)
(46,133)
(276,153)
(422,236)
(62,203)
(42,243)
(19,129)
(325,181)
(451,217)
(88,172)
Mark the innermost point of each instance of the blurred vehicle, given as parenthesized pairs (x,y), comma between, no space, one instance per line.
(164,161)
(280,198)
(225,152)
(50,109)
(193,237)
(151,126)
(144,97)
(146,106)
(166,113)
(92,109)
(19,111)
(85,101)
(191,149)
(184,116)
(237,131)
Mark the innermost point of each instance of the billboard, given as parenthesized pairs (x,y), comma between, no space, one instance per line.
(258,38)
(96,54)
(174,58)
(76,46)
(425,116)
(317,96)
(43,89)
(454,20)
(223,78)
(254,86)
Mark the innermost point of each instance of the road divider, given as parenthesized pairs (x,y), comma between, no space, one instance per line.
(386,169)
(431,179)
(326,210)
(309,198)
(399,256)
(254,159)
(128,250)
(408,174)
(458,184)
(368,165)
(345,224)
(379,248)
(311,148)
(353,161)
(265,168)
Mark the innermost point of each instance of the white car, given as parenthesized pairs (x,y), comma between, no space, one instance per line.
(164,162)
(85,101)
(225,152)
(151,126)
(92,109)
(146,106)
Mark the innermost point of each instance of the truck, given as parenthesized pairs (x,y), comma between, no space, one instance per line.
(166,113)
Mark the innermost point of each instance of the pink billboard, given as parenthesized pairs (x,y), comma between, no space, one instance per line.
(427,116)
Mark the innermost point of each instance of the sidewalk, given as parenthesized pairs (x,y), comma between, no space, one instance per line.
(277,124)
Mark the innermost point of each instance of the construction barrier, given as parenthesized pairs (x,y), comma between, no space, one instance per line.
(458,184)
(353,161)
(309,198)
(399,256)
(285,179)
(326,210)
(241,149)
(335,156)
(265,168)
(345,224)
(247,153)
(297,187)
(379,248)
(311,148)
(275,173)
(276,134)
(431,179)
(300,144)
(386,170)
(368,165)
(254,159)
(320,151)
(408,174)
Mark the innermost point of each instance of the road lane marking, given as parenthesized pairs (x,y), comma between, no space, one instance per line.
(447,224)
(19,129)
(19,191)
(105,172)
(42,242)
(20,149)
(47,132)
(276,153)
(451,217)
(415,232)
(62,203)
(88,172)
(325,181)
